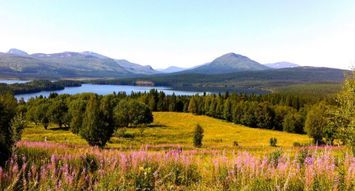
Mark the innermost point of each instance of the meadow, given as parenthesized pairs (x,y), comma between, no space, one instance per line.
(162,157)
(174,129)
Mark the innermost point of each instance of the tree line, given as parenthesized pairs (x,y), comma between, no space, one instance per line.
(37,86)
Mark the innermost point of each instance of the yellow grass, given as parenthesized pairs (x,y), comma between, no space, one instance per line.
(171,129)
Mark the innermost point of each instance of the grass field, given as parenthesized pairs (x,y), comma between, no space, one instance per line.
(148,159)
(172,129)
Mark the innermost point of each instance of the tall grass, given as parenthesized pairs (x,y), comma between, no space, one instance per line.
(54,166)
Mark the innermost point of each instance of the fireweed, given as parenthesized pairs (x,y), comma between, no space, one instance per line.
(70,167)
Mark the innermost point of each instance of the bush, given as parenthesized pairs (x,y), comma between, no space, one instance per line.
(273,142)
(235,143)
(90,163)
(198,136)
(302,155)
(145,179)
(297,144)
(274,157)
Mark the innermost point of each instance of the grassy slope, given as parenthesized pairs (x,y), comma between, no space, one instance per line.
(171,128)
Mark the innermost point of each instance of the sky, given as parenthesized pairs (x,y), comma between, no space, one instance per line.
(185,33)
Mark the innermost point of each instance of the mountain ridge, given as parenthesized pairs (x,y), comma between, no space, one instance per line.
(68,64)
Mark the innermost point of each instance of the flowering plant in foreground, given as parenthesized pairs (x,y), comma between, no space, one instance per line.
(66,167)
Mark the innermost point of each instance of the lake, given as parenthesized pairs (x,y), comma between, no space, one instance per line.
(99,89)
(13,81)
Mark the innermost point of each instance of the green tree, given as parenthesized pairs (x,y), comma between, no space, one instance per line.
(42,114)
(93,129)
(344,114)
(248,117)
(172,102)
(198,136)
(293,122)
(132,113)
(18,123)
(227,112)
(317,124)
(7,112)
(264,116)
(57,112)
(193,107)
(280,112)
(238,112)
(76,112)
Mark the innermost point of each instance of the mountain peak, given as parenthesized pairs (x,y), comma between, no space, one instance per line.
(232,54)
(17,52)
(227,63)
(229,57)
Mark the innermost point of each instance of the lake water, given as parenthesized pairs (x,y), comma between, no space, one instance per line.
(99,89)
(13,81)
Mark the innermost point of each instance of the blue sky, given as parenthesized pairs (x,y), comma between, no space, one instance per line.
(185,32)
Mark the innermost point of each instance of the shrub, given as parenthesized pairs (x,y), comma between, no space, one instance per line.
(235,143)
(274,157)
(145,179)
(297,144)
(273,142)
(198,136)
(302,155)
(90,163)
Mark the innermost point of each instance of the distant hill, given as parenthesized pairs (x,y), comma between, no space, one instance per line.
(228,63)
(17,52)
(17,63)
(171,69)
(279,65)
(136,68)
(245,81)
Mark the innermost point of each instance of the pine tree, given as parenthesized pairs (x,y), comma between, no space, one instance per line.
(227,112)
(193,105)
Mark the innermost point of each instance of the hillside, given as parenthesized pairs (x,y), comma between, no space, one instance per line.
(228,63)
(246,82)
(167,130)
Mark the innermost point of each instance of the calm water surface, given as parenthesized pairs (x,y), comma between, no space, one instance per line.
(99,89)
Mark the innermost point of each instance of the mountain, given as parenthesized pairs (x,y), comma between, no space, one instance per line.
(129,66)
(279,65)
(171,69)
(17,63)
(228,63)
